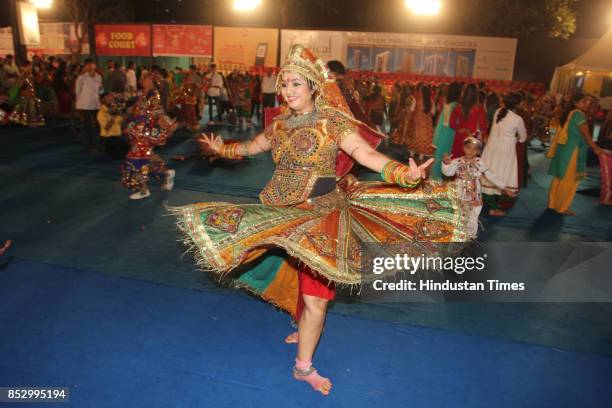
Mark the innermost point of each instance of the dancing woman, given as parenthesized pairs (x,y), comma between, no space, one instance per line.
(500,155)
(568,153)
(468,119)
(444,133)
(28,111)
(420,144)
(322,223)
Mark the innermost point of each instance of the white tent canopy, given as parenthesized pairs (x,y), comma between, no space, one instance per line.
(590,70)
(598,58)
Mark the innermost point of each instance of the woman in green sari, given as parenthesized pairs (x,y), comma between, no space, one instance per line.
(568,153)
(444,134)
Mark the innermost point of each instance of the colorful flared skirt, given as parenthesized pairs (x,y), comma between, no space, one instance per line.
(28,112)
(328,233)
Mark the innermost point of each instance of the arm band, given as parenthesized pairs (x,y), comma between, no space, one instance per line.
(228,151)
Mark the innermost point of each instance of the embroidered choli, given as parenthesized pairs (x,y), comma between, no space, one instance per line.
(304,150)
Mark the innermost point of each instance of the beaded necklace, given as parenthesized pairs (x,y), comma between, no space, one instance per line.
(297,120)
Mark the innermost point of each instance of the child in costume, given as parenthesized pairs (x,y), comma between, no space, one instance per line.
(147,127)
(110,120)
(241,100)
(187,99)
(469,169)
(28,111)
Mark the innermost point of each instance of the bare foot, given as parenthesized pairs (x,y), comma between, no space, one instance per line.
(568,212)
(292,338)
(318,383)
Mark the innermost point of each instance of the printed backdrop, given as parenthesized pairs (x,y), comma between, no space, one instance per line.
(430,54)
(182,40)
(246,47)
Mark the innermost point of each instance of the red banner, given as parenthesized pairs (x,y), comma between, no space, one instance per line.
(182,40)
(123,40)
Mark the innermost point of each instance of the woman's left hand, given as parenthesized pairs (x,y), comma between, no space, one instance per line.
(418,172)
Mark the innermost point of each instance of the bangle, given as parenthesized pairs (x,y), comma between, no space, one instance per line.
(397,173)
(409,182)
(228,151)
(387,169)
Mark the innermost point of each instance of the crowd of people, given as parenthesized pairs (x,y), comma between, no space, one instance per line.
(431,119)
(48,89)
(126,111)
(445,120)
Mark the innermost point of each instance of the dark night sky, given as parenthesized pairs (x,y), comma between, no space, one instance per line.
(594,16)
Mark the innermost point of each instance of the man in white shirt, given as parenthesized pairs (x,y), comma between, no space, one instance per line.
(88,86)
(131,77)
(268,90)
(215,85)
(10,72)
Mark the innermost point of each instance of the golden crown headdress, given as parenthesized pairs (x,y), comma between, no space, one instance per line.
(304,62)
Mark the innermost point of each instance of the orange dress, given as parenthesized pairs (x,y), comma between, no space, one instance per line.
(405,127)
(421,141)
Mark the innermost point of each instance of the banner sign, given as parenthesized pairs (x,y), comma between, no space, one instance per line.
(130,40)
(328,45)
(427,54)
(182,40)
(58,39)
(28,23)
(239,47)
(6,42)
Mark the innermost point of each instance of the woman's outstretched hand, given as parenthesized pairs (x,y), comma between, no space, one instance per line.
(418,172)
(210,142)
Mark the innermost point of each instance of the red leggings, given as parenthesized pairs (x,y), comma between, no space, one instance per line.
(313,284)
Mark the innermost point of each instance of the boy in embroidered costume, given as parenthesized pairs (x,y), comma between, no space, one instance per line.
(469,169)
(147,127)
(320,221)
(241,100)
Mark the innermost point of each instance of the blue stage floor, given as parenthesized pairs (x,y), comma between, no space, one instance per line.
(120,342)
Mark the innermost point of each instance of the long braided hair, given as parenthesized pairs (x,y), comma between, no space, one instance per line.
(511,101)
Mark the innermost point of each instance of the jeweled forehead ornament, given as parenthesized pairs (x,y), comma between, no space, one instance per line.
(472,140)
